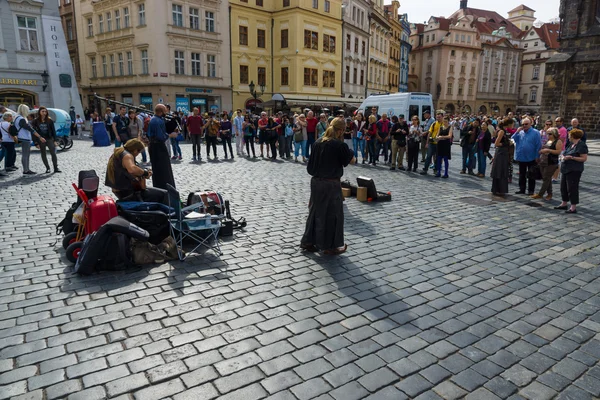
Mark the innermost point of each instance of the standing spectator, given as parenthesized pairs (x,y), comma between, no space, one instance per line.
(120,127)
(358,141)
(349,132)
(431,144)
(238,131)
(428,120)
(225,134)
(212,131)
(501,159)
(280,134)
(183,118)
(79,122)
(311,131)
(575,125)
(549,162)
(288,134)
(384,126)
(272,127)
(559,123)
(136,130)
(143,134)
(325,223)
(108,123)
(399,133)
(528,144)
(73,117)
(9,139)
(322,125)
(412,144)
(544,131)
(44,125)
(444,143)
(372,138)
(263,135)
(300,137)
(468,147)
(173,124)
(195,124)
(157,134)
(25,134)
(484,142)
(571,168)
(249,131)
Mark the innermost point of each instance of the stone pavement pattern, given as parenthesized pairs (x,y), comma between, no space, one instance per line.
(443,294)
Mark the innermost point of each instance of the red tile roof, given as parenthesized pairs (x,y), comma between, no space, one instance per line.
(521,7)
(549,34)
(488,26)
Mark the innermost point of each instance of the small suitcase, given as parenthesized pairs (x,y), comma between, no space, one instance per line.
(155,222)
(100,210)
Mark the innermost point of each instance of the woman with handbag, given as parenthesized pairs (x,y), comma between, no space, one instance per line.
(26,134)
(249,135)
(9,140)
(571,168)
(45,126)
(549,162)
(225,134)
(500,163)
(413,141)
(372,138)
(443,153)
(300,137)
(358,142)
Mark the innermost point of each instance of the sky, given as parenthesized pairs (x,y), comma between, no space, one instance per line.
(419,11)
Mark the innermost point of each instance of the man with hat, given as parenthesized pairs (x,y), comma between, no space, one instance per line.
(428,120)
(73,117)
(399,133)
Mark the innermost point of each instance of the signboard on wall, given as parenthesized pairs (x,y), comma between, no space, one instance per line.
(182,104)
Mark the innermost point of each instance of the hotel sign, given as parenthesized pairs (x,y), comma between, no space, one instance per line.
(25,82)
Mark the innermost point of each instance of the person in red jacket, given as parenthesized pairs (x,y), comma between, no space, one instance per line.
(194,126)
(311,131)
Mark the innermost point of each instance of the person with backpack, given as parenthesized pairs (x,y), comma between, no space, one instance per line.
(9,139)
(26,133)
(45,126)
(120,127)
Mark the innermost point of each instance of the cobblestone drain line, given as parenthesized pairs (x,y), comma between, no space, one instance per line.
(436,298)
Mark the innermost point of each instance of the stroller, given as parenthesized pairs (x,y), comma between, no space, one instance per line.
(93,211)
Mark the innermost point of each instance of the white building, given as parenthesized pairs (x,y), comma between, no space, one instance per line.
(35,67)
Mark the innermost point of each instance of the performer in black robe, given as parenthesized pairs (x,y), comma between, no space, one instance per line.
(159,156)
(325,223)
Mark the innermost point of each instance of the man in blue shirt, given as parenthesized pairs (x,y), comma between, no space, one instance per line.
(528,144)
(159,156)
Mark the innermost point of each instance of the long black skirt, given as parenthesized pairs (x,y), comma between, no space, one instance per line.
(161,166)
(325,222)
(500,171)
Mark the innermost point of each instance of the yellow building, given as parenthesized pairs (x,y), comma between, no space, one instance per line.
(391,13)
(147,52)
(291,48)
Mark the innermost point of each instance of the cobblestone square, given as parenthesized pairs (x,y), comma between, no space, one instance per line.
(444,293)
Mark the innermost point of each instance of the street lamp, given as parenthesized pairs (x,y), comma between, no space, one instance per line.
(255,93)
(45,80)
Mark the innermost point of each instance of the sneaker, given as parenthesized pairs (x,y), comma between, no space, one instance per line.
(462,172)
(174,158)
(179,158)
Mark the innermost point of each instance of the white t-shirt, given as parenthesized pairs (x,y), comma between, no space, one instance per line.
(4,128)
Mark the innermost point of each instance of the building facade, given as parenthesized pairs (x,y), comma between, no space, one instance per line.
(356,46)
(148,52)
(291,51)
(35,67)
(381,34)
(67,16)
(572,84)
(539,44)
(405,49)
(391,13)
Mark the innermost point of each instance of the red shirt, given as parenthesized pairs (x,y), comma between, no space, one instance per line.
(263,122)
(195,124)
(280,129)
(311,126)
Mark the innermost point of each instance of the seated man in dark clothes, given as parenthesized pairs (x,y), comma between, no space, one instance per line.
(127,180)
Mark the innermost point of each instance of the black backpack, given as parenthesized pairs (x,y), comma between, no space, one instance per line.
(109,248)
(67,226)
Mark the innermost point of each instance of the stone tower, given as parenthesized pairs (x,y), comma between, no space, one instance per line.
(522,16)
(571,85)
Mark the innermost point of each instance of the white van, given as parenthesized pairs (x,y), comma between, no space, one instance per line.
(408,104)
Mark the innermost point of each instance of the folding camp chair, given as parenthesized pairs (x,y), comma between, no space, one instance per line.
(187,223)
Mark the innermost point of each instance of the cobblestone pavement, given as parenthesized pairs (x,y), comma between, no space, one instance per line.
(443,293)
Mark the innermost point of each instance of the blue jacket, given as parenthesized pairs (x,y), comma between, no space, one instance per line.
(157,130)
(527,145)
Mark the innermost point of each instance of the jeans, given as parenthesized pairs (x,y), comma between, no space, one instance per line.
(359,144)
(281,142)
(273,145)
(385,146)
(431,150)
(547,172)
(524,167)
(227,142)
(249,144)
(423,149)
(569,187)
(371,147)
(481,161)
(468,158)
(239,143)
(298,146)
(25,154)
(438,165)
(196,141)
(397,154)
(287,146)
(309,143)
(52,147)
(10,154)
(176,148)
(211,141)
(412,156)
